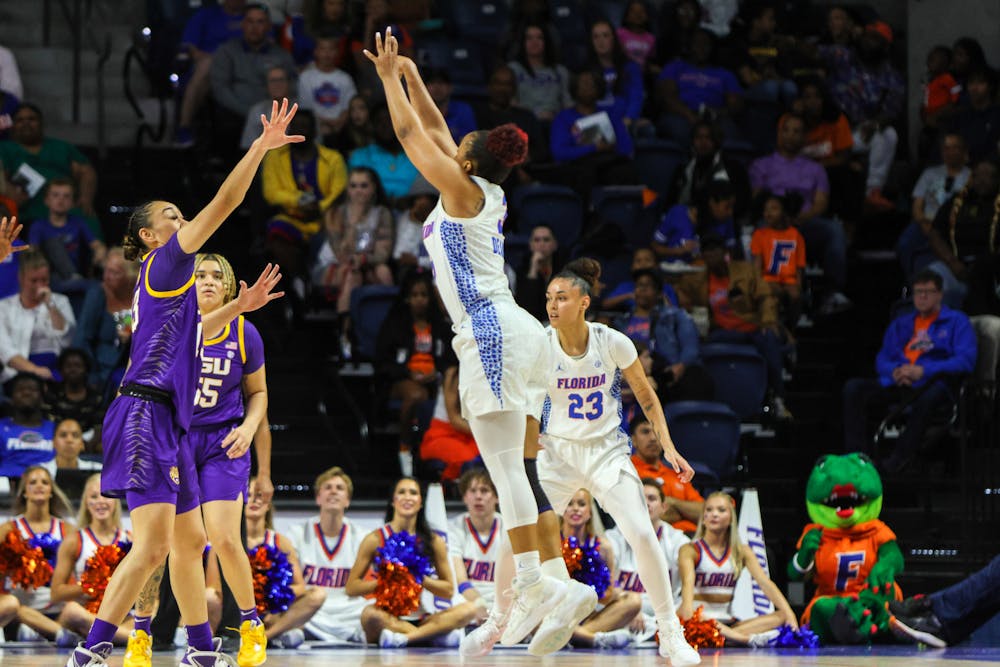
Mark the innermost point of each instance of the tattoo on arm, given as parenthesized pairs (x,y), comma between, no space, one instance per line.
(647,407)
(150,593)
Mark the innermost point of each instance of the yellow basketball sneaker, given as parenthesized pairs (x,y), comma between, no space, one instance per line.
(253,644)
(139,651)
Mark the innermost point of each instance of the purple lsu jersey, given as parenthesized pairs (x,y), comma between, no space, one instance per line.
(166,327)
(237,351)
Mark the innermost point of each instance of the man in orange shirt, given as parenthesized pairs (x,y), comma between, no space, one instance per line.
(682,504)
(918,347)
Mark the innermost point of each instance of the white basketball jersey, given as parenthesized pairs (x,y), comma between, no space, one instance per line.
(467,255)
(477,551)
(670,539)
(326,562)
(584,393)
(89,544)
(39,598)
(715,576)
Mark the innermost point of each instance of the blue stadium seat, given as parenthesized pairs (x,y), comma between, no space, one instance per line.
(740,376)
(707,434)
(481,20)
(369,306)
(656,161)
(622,205)
(554,205)
(462,60)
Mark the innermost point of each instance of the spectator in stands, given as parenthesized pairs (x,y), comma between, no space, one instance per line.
(932,345)
(327,546)
(597,155)
(499,109)
(279,86)
(449,438)
(622,295)
(542,83)
(30,159)
(321,18)
(68,444)
(408,251)
(444,628)
(208,29)
(104,330)
(35,324)
(668,336)
(677,30)
(759,58)
(693,88)
(622,77)
(410,356)
(709,163)
(779,251)
(828,132)
(681,226)
(965,230)
(871,92)
(303,180)
(841,27)
(25,436)
(936,185)
(240,65)
(10,75)
(327,89)
(65,238)
(539,265)
(682,504)
(75,398)
(457,114)
(357,131)
(978,121)
(786,171)
(636,37)
(473,538)
(967,56)
(941,92)
(742,309)
(386,157)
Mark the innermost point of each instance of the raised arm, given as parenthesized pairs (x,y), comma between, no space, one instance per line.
(248,299)
(427,111)
(194,234)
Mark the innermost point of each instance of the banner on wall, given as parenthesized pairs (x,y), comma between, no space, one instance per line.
(749,599)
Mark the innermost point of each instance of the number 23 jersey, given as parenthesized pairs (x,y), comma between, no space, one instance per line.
(584,393)
(237,351)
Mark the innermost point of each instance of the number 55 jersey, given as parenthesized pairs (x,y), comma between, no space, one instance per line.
(236,352)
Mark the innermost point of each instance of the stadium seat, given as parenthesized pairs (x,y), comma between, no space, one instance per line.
(656,161)
(740,376)
(707,434)
(569,20)
(623,205)
(462,60)
(515,247)
(369,306)
(480,20)
(553,205)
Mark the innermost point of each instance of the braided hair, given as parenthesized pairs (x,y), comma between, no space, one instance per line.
(228,277)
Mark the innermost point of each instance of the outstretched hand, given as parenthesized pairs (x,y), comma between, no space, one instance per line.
(9,229)
(386,57)
(680,465)
(273,135)
(259,295)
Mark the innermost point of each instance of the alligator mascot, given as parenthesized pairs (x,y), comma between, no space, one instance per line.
(849,554)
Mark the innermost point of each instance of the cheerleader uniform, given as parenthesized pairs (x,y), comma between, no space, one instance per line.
(477,552)
(714,577)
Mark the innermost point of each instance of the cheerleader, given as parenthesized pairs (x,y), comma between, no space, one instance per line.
(442,628)
(285,627)
(500,347)
(99,523)
(474,539)
(710,566)
(41,509)
(607,627)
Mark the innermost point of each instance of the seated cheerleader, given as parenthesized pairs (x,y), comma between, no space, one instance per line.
(283,629)
(607,627)
(40,508)
(99,522)
(423,625)
(709,580)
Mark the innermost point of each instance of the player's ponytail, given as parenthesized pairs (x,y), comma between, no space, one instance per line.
(497,151)
(583,272)
(132,245)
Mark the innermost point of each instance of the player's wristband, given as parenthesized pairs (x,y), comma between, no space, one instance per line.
(464,586)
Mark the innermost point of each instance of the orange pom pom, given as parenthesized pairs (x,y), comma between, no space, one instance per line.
(259,565)
(396,591)
(98,571)
(572,554)
(702,634)
(23,565)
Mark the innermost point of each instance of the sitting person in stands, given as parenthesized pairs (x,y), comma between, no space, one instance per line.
(408,250)
(498,109)
(682,505)
(542,83)
(65,238)
(438,627)
(327,546)
(68,445)
(680,228)
(623,77)
(35,324)
(385,156)
(742,308)
(410,353)
(669,337)
(303,180)
(104,331)
(449,438)
(457,114)
(779,251)
(25,436)
(623,294)
(279,86)
(540,263)
(325,88)
(709,162)
(75,398)
(933,344)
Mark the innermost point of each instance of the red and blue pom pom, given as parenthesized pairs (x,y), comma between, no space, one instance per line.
(98,570)
(23,565)
(400,568)
(585,564)
(801,638)
(48,544)
(272,579)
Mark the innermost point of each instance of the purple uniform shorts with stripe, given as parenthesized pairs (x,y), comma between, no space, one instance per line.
(219,477)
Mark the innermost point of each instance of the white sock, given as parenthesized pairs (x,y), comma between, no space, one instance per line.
(556,568)
(528,568)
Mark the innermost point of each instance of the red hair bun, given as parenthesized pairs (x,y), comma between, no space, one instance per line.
(508,144)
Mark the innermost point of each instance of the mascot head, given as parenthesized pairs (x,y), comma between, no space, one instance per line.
(844,491)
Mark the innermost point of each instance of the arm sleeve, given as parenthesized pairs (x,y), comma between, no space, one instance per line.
(169,267)
(254,346)
(621,349)
(890,355)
